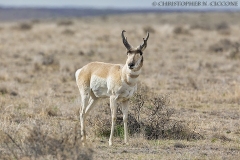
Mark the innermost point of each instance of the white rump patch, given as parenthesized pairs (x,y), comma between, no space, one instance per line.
(77,73)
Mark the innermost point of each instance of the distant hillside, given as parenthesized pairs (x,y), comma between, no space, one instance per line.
(13,14)
(25,13)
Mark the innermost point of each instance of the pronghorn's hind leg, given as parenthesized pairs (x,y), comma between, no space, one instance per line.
(88,102)
(113,107)
(92,101)
(84,103)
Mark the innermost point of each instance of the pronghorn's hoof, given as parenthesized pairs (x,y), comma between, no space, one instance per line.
(83,144)
(126,143)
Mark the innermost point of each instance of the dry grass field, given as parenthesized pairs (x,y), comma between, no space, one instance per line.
(187,106)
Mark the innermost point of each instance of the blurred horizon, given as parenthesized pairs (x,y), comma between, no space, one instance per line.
(27,9)
(113,4)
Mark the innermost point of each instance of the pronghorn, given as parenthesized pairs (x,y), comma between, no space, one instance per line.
(117,81)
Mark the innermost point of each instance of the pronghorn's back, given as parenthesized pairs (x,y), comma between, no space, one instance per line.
(99,69)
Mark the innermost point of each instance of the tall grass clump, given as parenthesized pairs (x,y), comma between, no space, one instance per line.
(40,142)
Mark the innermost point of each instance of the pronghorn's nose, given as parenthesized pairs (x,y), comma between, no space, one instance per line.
(130,65)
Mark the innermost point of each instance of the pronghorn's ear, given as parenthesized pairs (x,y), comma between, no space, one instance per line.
(125,42)
(144,44)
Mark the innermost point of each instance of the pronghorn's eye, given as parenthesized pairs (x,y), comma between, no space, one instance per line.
(140,52)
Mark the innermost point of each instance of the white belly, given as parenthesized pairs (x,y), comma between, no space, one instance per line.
(99,86)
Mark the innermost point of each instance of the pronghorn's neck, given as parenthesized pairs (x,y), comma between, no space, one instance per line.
(130,76)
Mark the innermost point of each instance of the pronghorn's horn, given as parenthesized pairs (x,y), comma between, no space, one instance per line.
(125,42)
(144,45)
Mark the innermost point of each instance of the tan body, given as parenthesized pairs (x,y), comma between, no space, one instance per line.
(101,80)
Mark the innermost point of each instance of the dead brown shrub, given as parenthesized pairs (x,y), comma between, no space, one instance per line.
(160,125)
(220,137)
(52,111)
(42,61)
(49,60)
(223,45)
(192,83)
(201,26)
(6,90)
(149,29)
(24,26)
(181,30)
(234,53)
(222,26)
(179,145)
(68,32)
(65,23)
(149,115)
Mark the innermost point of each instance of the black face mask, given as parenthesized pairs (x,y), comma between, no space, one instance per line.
(137,51)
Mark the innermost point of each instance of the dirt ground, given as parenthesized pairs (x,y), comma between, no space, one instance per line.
(193,58)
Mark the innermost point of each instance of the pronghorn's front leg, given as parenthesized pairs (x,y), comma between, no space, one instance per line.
(125,119)
(113,106)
